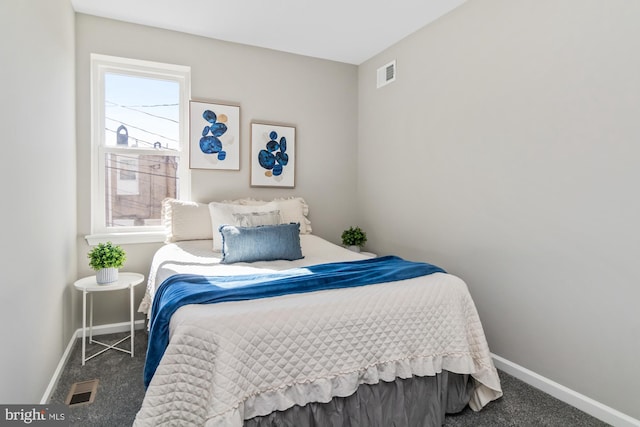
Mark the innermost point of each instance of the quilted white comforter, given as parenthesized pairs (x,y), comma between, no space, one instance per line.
(235,360)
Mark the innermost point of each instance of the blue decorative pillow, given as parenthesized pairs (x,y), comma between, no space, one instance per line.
(261,243)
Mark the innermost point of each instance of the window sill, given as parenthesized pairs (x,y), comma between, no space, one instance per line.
(127,238)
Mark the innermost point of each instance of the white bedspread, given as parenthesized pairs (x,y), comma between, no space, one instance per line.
(235,360)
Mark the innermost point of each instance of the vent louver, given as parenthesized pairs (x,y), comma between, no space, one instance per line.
(391,71)
(82,393)
(386,74)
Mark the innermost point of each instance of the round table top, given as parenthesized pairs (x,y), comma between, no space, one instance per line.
(124,281)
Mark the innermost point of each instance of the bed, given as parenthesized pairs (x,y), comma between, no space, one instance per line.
(403,352)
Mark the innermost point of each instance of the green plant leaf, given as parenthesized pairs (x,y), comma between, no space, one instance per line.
(105,255)
(354,236)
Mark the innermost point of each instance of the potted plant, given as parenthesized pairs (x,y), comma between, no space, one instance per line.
(106,259)
(354,238)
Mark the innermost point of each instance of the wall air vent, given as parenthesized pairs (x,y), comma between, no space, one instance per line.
(386,74)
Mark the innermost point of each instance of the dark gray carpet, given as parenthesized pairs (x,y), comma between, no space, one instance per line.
(120,387)
(120,393)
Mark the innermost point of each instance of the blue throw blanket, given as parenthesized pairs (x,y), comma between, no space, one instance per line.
(182,289)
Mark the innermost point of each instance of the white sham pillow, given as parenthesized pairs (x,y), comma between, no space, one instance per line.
(294,209)
(186,220)
(245,201)
(222,214)
(255,219)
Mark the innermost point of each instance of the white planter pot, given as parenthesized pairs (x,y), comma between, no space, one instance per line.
(106,275)
(354,248)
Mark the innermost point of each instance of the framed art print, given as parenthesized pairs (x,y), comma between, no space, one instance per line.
(214,136)
(273,155)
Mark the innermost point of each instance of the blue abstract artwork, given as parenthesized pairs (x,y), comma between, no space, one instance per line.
(215,135)
(274,157)
(210,142)
(273,148)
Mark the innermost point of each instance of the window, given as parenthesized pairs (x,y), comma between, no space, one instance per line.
(139,145)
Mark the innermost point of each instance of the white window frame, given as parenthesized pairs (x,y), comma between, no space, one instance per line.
(101,65)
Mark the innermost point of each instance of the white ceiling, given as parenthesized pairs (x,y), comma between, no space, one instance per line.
(350,31)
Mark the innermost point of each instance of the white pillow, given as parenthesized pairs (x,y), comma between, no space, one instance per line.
(193,221)
(222,214)
(255,219)
(186,220)
(292,209)
(245,201)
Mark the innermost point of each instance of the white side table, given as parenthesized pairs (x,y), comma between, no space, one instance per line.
(88,285)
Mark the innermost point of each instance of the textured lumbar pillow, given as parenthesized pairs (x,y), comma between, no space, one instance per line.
(261,243)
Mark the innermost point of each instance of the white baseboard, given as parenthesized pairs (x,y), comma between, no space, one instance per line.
(112,328)
(571,397)
(56,374)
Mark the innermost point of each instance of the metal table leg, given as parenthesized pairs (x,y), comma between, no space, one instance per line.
(84,325)
(131,308)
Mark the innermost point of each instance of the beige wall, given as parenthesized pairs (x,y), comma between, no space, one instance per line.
(318,97)
(507,152)
(37,124)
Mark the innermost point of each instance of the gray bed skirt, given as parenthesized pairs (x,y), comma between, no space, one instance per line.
(418,401)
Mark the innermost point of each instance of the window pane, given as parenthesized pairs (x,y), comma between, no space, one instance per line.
(139,108)
(135,186)
(141,112)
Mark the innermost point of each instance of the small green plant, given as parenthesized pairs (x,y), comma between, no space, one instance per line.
(105,255)
(354,236)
